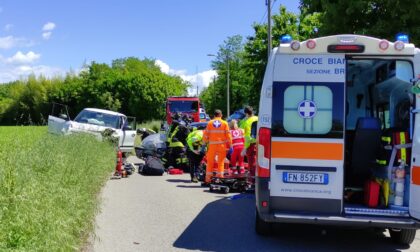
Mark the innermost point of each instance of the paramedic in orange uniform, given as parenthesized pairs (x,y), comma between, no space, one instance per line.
(217,137)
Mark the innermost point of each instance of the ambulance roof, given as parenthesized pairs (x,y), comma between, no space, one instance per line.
(371,45)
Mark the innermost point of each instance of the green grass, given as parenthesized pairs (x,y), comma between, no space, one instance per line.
(154,125)
(49,188)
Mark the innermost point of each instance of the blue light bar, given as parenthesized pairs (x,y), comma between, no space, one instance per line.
(402,37)
(286,39)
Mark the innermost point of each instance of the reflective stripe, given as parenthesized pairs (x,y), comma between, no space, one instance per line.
(386,139)
(381,162)
(403,150)
(217,142)
(236,144)
(216,131)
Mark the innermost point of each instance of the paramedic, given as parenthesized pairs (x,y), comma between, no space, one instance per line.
(238,140)
(218,138)
(250,149)
(194,154)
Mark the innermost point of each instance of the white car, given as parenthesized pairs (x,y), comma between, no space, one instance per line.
(95,121)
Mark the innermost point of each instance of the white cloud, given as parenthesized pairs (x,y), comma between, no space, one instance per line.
(8,27)
(46,35)
(8,74)
(21,58)
(10,42)
(47,30)
(166,69)
(48,26)
(200,80)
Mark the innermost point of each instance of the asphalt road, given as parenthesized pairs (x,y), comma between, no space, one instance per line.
(168,213)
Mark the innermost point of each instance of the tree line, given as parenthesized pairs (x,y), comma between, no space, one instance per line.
(247,58)
(138,87)
(132,86)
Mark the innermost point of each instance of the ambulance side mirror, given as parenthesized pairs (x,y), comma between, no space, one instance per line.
(254,130)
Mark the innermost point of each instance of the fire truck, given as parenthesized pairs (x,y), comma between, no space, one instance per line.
(184,105)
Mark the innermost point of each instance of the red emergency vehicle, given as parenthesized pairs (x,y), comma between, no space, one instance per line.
(183,105)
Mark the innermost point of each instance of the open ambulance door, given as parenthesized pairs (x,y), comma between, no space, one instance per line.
(414,204)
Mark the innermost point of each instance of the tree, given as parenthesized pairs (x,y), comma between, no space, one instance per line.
(378,18)
(230,54)
(300,27)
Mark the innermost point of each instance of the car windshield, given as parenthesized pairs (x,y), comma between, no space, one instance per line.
(98,118)
(183,106)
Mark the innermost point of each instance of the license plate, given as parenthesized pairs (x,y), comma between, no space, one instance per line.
(305,178)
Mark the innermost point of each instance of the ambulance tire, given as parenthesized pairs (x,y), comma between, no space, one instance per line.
(262,227)
(403,236)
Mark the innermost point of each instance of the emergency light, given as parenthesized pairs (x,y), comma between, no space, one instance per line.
(346,48)
(295,45)
(402,37)
(399,45)
(311,44)
(383,44)
(286,39)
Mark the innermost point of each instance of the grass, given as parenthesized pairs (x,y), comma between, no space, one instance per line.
(154,125)
(48,188)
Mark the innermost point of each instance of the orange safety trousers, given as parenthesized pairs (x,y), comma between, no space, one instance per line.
(219,151)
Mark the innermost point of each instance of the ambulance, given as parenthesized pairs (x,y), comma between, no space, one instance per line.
(338,135)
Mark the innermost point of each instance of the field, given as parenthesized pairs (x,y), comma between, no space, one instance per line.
(49,187)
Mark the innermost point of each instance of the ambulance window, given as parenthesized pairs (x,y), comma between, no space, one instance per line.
(302,109)
(308,109)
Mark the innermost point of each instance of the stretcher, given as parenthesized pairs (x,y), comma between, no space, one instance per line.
(231,182)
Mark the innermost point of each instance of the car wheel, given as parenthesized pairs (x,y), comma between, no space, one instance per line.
(403,236)
(261,227)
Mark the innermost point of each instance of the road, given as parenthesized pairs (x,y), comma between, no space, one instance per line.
(168,213)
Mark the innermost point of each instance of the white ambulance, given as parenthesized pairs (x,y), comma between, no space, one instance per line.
(336,115)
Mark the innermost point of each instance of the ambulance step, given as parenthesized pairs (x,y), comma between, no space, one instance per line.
(376,211)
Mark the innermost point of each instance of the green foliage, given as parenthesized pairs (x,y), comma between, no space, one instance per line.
(231,54)
(131,86)
(48,198)
(378,18)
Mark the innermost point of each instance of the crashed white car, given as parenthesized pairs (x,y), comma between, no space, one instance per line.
(95,121)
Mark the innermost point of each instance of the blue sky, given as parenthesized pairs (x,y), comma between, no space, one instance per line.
(51,37)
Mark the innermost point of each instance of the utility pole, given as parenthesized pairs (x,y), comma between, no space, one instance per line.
(228,83)
(269,46)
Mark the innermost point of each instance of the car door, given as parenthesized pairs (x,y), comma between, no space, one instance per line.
(127,133)
(58,118)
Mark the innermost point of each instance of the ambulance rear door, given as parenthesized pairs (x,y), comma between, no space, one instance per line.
(414,204)
(307,152)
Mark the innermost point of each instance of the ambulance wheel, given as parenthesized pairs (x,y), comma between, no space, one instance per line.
(226,190)
(403,236)
(261,227)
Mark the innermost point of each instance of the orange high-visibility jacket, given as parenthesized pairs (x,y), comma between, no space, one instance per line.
(217,132)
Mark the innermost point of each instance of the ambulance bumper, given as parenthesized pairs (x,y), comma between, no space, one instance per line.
(359,221)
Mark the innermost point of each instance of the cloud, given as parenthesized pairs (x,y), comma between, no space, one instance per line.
(48,26)
(167,70)
(199,80)
(10,42)
(8,74)
(46,35)
(8,27)
(47,30)
(21,58)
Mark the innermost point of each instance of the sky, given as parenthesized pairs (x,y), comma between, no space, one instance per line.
(52,37)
